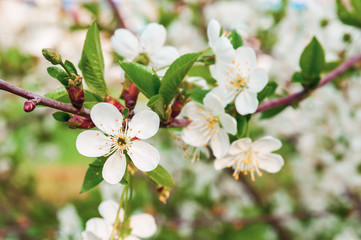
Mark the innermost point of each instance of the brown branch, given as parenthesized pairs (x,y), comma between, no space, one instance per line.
(298,96)
(117,15)
(41,100)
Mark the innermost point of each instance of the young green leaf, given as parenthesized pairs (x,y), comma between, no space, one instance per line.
(272,112)
(61,116)
(269,90)
(197,94)
(92,62)
(352,18)
(61,95)
(312,59)
(147,82)
(161,177)
(156,103)
(298,77)
(242,126)
(70,67)
(93,175)
(203,72)
(59,74)
(175,74)
(236,39)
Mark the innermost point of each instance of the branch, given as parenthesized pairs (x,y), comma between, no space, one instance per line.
(298,96)
(41,100)
(117,15)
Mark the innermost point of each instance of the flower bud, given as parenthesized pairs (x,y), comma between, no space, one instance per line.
(76,96)
(130,96)
(114,101)
(52,56)
(80,122)
(29,105)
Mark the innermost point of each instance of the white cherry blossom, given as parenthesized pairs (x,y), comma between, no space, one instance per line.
(151,43)
(238,77)
(247,157)
(116,140)
(142,225)
(209,123)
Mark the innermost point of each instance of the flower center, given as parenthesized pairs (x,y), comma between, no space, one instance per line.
(247,162)
(212,121)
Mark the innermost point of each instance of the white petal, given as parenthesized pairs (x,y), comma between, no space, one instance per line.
(131,238)
(98,227)
(224,162)
(143,225)
(196,136)
(246,102)
(108,210)
(114,168)
(266,144)
(226,96)
(92,143)
(144,156)
(247,56)
(191,110)
(89,236)
(153,38)
(164,56)
(257,80)
(240,146)
(229,124)
(213,103)
(220,143)
(144,124)
(125,43)
(271,162)
(213,32)
(224,50)
(106,117)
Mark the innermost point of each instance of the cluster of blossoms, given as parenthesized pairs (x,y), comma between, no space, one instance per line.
(120,140)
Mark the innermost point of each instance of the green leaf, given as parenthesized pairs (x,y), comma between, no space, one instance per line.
(156,103)
(236,39)
(267,91)
(92,62)
(298,77)
(61,95)
(61,116)
(272,112)
(125,112)
(197,94)
(93,175)
(203,72)
(312,60)
(70,67)
(147,82)
(352,18)
(175,74)
(59,74)
(161,177)
(242,126)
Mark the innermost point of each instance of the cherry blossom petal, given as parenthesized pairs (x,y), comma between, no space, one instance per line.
(229,124)
(114,168)
(246,102)
(213,103)
(144,156)
(213,32)
(107,118)
(143,225)
(131,238)
(226,96)
(125,43)
(108,210)
(246,57)
(266,144)
(224,162)
(98,227)
(153,38)
(164,56)
(93,143)
(144,124)
(257,80)
(191,110)
(87,235)
(270,162)
(239,146)
(195,136)
(224,50)
(220,143)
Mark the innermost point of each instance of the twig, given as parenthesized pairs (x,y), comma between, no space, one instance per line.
(41,100)
(117,15)
(294,97)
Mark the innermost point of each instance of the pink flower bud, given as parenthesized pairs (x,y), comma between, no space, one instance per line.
(29,105)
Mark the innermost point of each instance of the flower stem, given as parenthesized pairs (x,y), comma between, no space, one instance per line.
(116,222)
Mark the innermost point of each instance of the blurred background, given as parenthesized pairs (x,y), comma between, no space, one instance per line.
(317,194)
